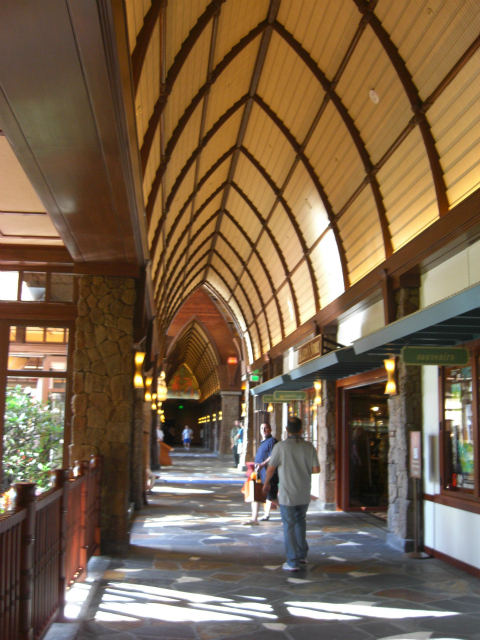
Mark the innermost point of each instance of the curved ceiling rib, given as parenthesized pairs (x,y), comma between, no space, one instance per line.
(143,40)
(187,46)
(162,101)
(352,129)
(415,102)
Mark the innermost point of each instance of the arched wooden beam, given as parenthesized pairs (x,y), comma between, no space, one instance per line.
(183,330)
(186,167)
(266,176)
(299,150)
(201,182)
(143,40)
(353,131)
(415,102)
(162,100)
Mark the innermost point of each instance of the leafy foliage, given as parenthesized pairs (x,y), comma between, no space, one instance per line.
(32,440)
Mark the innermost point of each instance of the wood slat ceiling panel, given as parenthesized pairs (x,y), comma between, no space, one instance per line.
(149,86)
(16,191)
(274,323)
(199,236)
(230,258)
(191,77)
(187,143)
(244,306)
(408,191)
(252,342)
(304,200)
(32,225)
(237,239)
(431,37)
(258,273)
(254,186)
(251,292)
(270,147)
(324,29)
(302,284)
(271,258)
(286,237)
(181,17)
(370,68)
(455,123)
(262,326)
(219,265)
(335,159)
(152,165)
(220,289)
(181,251)
(136,10)
(235,24)
(232,84)
(290,88)
(361,221)
(284,297)
(243,213)
(192,286)
(223,140)
(217,178)
(328,269)
(208,211)
(181,196)
(156,214)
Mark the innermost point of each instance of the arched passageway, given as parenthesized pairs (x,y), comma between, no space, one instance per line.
(193,571)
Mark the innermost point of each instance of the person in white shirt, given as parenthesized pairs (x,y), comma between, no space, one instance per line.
(187,434)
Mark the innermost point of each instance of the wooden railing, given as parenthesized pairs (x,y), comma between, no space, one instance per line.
(45,544)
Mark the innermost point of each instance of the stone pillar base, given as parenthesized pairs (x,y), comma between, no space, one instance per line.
(404,545)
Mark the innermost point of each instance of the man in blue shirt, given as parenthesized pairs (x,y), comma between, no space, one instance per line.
(261,462)
(295,460)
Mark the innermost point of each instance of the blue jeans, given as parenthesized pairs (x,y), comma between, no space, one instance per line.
(295,533)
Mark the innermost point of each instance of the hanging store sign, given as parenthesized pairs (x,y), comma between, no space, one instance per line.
(438,356)
(285,396)
(310,350)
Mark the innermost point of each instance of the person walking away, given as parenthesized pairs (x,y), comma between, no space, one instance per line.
(187,434)
(262,459)
(295,461)
(234,431)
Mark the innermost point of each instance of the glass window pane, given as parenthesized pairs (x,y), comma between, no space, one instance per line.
(33,287)
(459,444)
(13,334)
(54,335)
(61,287)
(8,285)
(34,334)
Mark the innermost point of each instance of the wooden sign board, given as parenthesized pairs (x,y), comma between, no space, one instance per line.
(446,356)
(415,454)
(310,350)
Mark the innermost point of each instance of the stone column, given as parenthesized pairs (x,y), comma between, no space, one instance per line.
(327,446)
(249,425)
(230,413)
(405,415)
(103,395)
(276,421)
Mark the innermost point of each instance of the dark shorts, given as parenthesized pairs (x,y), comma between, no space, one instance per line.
(187,440)
(273,493)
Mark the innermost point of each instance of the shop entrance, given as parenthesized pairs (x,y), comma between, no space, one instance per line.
(364,451)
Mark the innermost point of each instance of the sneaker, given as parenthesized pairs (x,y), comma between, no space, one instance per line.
(287,567)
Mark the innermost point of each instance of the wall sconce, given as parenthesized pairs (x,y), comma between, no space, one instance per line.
(220,414)
(154,406)
(391,388)
(162,390)
(318,392)
(148,389)
(138,378)
(270,407)
(244,409)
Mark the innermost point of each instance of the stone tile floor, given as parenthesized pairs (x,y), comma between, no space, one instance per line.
(194,572)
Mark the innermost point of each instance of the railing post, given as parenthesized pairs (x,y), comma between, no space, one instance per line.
(25,499)
(82,469)
(61,481)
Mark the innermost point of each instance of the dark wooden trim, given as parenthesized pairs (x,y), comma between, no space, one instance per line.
(162,100)
(388,294)
(39,312)
(362,379)
(412,93)
(120,269)
(461,501)
(23,254)
(143,40)
(458,564)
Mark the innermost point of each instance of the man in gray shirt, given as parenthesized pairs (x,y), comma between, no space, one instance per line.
(295,460)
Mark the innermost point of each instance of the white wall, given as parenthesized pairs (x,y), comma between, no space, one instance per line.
(361,324)
(460,272)
(431,471)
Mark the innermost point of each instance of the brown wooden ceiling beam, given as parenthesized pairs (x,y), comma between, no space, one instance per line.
(143,40)
(23,254)
(329,89)
(162,100)
(416,104)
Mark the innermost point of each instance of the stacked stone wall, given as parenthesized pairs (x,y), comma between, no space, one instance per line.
(327,444)
(103,394)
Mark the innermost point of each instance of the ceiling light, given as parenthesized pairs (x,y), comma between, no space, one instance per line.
(374,96)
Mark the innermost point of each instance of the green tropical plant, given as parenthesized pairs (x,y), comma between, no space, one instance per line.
(32,439)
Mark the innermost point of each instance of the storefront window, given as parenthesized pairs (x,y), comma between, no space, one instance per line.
(459,449)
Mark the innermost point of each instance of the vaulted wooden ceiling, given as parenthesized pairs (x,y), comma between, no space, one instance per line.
(289,147)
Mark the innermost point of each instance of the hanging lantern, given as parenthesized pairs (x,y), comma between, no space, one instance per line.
(318,392)
(138,378)
(148,389)
(161,388)
(391,388)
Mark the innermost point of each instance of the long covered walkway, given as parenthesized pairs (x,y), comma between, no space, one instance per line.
(194,571)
